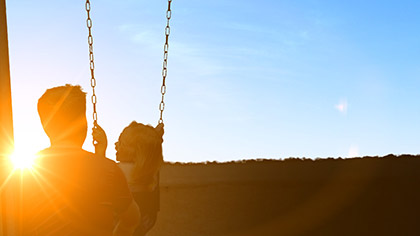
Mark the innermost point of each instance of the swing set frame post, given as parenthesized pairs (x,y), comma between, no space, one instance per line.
(8,224)
(6,117)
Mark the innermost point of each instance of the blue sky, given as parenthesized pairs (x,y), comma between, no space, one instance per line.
(247,79)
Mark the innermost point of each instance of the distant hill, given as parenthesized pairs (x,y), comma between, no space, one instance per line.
(358,196)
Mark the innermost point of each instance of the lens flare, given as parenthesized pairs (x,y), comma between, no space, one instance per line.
(22,159)
(342,107)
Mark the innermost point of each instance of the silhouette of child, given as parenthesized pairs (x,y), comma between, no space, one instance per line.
(139,152)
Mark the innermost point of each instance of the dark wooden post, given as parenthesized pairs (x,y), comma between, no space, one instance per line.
(6,119)
(7,224)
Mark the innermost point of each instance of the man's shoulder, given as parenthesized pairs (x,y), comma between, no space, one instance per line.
(77,155)
(103,161)
(99,161)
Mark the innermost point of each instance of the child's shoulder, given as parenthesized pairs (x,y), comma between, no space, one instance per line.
(125,163)
(126,166)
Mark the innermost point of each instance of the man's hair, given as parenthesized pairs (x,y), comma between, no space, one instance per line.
(62,110)
(142,145)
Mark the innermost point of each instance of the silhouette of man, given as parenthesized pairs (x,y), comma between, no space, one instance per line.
(71,191)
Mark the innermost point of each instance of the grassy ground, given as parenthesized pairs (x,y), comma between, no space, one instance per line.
(369,196)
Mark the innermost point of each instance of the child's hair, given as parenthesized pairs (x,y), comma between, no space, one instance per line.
(142,145)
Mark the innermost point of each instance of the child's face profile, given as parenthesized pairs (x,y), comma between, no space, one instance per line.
(116,148)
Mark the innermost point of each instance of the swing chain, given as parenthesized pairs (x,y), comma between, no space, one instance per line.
(91,63)
(165,61)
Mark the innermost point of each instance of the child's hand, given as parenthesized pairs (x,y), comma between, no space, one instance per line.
(100,139)
(159,129)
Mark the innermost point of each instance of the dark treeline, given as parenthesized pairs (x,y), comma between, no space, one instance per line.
(358,196)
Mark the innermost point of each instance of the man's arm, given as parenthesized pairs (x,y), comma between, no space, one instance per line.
(128,221)
(124,205)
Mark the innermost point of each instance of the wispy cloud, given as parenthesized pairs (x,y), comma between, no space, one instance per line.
(286,37)
(145,37)
(125,27)
(141,35)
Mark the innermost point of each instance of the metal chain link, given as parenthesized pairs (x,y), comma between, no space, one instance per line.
(165,61)
(164,65)
(91,64)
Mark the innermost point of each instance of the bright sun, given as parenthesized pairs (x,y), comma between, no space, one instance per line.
(22,159)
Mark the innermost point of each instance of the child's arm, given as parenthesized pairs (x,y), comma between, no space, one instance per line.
(159,129)
(99,136)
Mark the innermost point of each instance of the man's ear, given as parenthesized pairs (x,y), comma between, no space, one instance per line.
(159,129)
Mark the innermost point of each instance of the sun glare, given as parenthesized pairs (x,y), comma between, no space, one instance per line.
(22,159)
